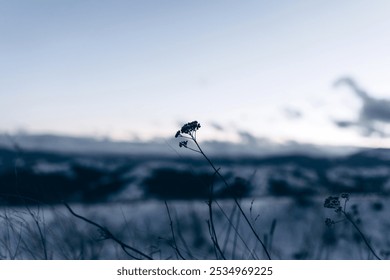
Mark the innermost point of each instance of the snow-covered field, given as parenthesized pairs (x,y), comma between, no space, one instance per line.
(282,196)
(290,229)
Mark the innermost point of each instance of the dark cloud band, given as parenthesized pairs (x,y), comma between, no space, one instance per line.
(372,112)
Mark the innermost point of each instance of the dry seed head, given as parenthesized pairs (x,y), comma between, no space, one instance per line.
(332,202)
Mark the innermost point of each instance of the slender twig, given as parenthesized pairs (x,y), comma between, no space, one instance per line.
(212,239)
(173,232)
(229,229)
(347,216)
(213,234)
(42,238)
(271,234)
(183,241)
(235,227)
(186,247)
(108,235)
(238,219)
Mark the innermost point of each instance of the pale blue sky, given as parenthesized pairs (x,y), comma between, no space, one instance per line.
(128,69)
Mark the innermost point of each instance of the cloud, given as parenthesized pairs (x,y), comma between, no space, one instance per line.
(250,146)
(372,112)
(344,124)
(248,138)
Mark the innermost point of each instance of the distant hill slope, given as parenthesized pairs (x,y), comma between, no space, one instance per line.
(51,177)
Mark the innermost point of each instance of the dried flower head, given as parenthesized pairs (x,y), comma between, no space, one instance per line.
(183,144)
(345,196)
(190,127)
(332,202)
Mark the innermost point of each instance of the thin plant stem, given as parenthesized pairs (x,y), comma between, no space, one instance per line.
(235,227)
(214,237)
(228,232)
(234,198)
(42,238)
(360,233)
(173,233)
(213,234)
(108,235)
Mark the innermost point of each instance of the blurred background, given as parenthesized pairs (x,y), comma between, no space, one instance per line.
(293,98)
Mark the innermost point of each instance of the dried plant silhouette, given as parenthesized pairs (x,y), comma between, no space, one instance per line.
(188,131)
(333,202)
(106,234)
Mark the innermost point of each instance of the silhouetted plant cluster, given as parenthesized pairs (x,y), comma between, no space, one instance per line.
(188,131)
(339,205)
